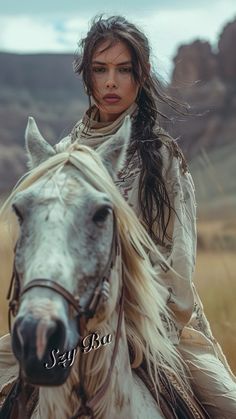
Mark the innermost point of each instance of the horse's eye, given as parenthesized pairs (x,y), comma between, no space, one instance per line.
(102,214)
(18,214)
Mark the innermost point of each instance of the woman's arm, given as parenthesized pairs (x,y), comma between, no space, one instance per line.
(181,254)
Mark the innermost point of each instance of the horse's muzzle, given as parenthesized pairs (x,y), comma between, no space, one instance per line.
(52,367)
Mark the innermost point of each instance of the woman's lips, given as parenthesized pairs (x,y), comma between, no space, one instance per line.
(111,99)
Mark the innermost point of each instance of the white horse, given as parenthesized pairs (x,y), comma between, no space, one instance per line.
(87,299)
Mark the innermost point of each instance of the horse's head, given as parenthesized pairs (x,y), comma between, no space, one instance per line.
(64,250)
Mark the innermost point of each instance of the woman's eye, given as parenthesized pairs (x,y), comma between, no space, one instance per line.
(98,69)
(126,69)
(101,215)
(121,69)
(18,214)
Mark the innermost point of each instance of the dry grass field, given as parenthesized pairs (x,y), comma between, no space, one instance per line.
(215,279)
(6,258)
(216,283)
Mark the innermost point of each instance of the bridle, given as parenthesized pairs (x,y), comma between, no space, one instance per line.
(83,314)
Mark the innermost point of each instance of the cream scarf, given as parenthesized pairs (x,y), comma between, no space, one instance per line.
(91,132)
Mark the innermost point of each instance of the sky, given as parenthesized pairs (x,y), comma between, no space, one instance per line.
(29,26)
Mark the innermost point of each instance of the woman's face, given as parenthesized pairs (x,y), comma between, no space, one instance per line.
(114,87)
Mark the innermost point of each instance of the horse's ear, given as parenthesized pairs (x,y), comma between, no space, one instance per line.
(113,151)
(38,149)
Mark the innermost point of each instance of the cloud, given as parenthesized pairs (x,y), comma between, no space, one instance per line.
(24,34)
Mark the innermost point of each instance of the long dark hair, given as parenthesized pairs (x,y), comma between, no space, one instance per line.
(147,136)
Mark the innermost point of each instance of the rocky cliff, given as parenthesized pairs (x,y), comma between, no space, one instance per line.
(206,79)
(198,61)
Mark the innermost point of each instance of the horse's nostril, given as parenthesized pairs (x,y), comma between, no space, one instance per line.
(17,339)
(56,336)
(22,329)
(33,338)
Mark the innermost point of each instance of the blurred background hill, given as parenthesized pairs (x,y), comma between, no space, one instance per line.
(43,86)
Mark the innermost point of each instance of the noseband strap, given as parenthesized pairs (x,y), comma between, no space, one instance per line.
(49,283)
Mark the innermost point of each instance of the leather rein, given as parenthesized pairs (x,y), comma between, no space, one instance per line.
(83,313)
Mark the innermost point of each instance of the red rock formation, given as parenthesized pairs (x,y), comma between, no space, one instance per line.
(194,62)
(227,55)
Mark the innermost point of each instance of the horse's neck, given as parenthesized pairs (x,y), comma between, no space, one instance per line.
(62,403)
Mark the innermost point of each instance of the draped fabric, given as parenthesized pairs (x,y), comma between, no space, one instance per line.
(89,131)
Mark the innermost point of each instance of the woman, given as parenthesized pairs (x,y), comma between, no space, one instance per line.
(115,67)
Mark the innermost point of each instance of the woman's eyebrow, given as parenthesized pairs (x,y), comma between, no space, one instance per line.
(102,63)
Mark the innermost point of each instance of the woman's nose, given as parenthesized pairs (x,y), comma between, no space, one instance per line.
(111,80)
(111,83)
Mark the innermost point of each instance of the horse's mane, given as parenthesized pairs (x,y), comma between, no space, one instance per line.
(144,304)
